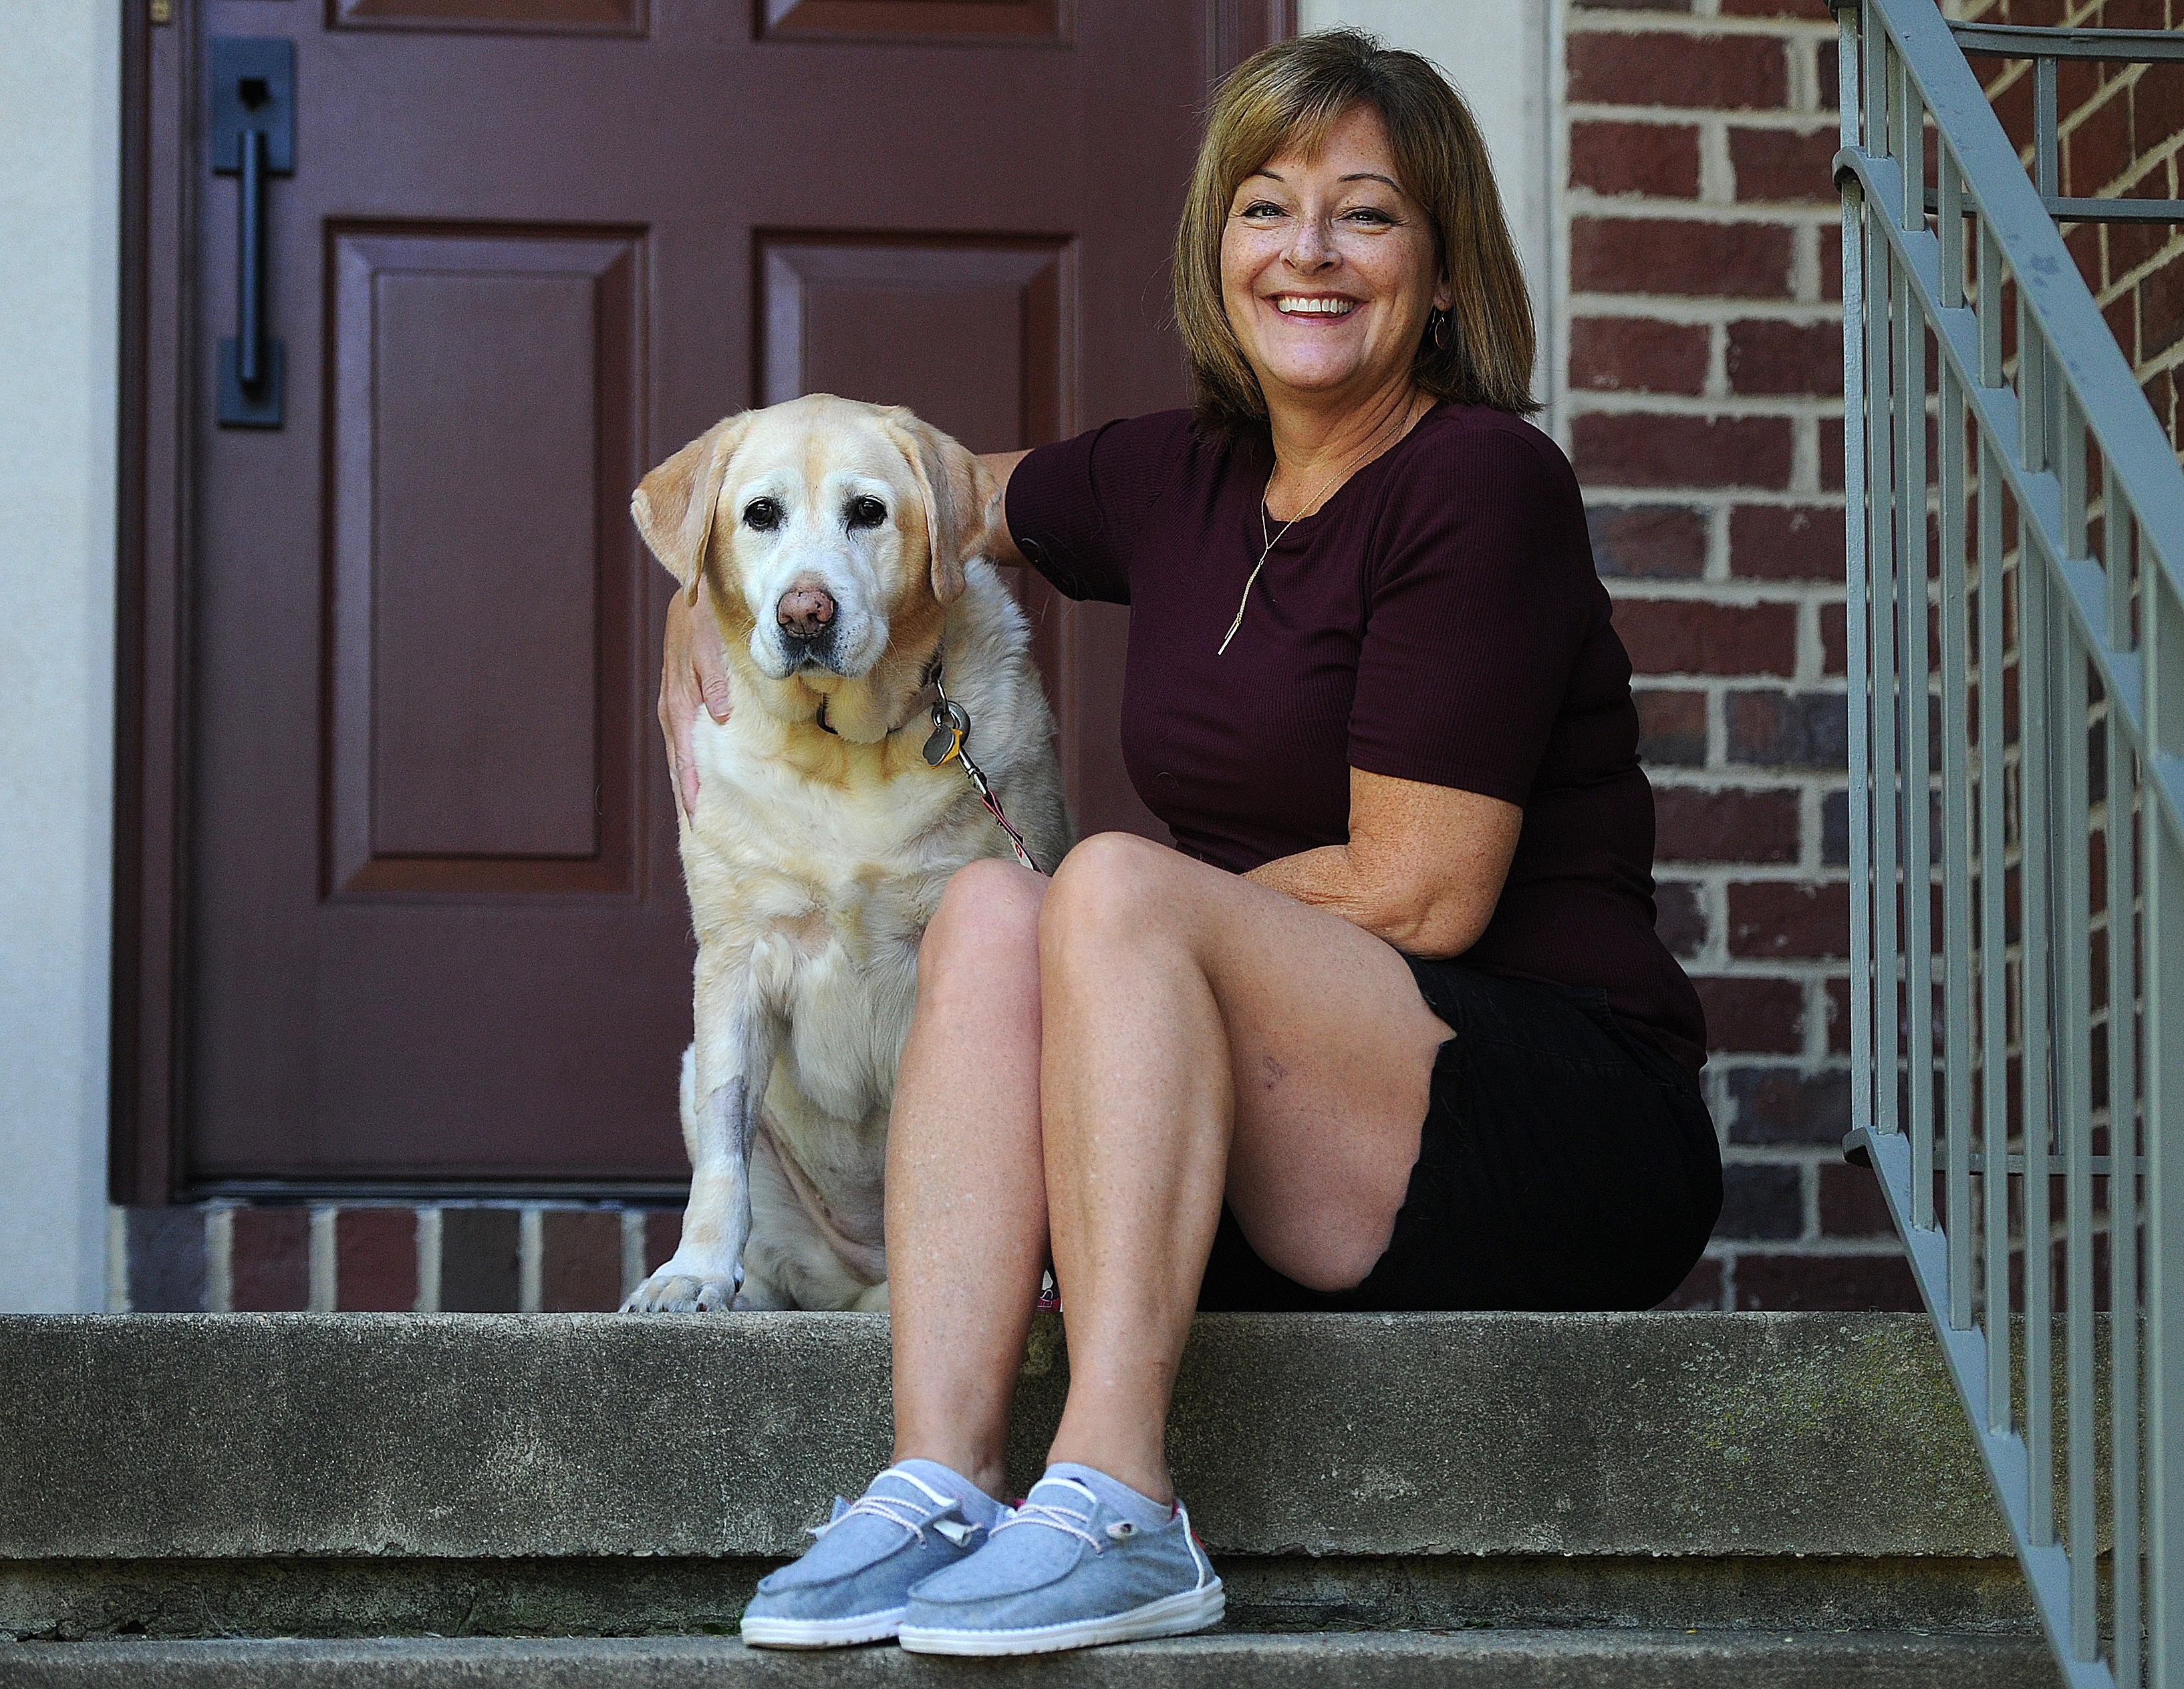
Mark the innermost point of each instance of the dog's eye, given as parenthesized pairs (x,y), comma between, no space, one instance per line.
(762,514)
(865,513)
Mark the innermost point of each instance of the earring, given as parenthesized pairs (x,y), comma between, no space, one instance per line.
(1437,330)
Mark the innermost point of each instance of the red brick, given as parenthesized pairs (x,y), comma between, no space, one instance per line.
(1700,1289)
(1685,636)
(1830,77)
(480,1268)
(1675,257)
(375,1260)
(166,1255)
(2077,82)
(2013,106)
(1639,450)
(2161,309)
(2134,14)
(1766,357)
(1764,1200)
(1733,824)
(1852,1204)
(1834,829)
(1679,917)
(1839,1017)
(2156,106)
(2131,244)
(1648,541)
(2083,243)
(1785,542)
(1876,1283)
(1752,1017)
(2121,315)
(580,1263)
(1812,10)
(1831,451)
(2098,151)
(663,1232)
(1787,730)
(1660,159)
(1834,645)
(1783,166)
(1745,72)
(1832,264)
(1637,354)
(270,1253)
(1777,919)
(1779,1105)
(1672,727)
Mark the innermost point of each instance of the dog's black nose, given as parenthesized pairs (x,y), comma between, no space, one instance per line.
(805,612)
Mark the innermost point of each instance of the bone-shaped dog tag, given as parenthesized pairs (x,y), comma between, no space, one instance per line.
(950,726)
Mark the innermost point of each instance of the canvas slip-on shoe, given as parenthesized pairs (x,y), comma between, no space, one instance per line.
(1064,1570)
(852,1585)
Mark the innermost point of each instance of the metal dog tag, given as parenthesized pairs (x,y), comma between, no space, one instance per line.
(949,727)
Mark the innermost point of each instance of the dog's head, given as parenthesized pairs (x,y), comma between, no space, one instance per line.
(826,530)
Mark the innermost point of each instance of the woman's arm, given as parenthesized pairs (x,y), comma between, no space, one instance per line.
(1000,544)
(1422,869)
(694,670)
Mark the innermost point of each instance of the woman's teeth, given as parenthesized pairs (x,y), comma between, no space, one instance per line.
(1315,307)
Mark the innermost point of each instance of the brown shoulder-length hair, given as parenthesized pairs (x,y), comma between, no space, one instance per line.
(1290,95)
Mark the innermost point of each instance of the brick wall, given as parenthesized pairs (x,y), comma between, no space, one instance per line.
(457,1257)
(1702,376)
(2122,132)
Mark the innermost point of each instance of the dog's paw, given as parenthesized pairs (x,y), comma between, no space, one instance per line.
(685,1287)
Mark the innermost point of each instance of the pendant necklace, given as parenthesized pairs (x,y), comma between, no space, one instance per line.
(1243,603)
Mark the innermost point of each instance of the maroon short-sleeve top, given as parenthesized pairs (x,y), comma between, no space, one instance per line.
(1438,619)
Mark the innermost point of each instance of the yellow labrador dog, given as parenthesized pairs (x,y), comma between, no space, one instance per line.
(840,546)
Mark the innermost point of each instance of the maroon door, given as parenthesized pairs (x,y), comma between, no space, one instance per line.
(428,923)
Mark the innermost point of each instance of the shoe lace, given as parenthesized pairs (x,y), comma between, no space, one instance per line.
(893,1509)
(1055,1518)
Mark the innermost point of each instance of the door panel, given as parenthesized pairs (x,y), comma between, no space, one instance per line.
(977,335)
(432,927)
(484,583)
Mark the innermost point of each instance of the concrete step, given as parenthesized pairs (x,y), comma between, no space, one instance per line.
(571,1474)
(1509,1660)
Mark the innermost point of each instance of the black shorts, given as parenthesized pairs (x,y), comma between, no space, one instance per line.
(1565,1163)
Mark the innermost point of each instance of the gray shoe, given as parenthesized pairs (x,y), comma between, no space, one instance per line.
(853,1583)
(1065,1571)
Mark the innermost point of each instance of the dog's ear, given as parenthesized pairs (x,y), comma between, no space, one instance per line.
(959,493)
(673,506)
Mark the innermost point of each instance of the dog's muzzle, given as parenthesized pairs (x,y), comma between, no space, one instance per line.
(807,620)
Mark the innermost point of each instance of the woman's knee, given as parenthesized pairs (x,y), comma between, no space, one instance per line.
(1113,886)
(987,919)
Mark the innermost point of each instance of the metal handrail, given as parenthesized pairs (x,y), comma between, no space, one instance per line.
(1989,567)
(2045,49)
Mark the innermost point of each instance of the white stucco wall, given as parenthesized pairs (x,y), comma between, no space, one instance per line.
(59,198)
(1497,52)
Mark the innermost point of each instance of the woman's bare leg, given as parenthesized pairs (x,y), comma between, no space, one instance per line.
(1203,1034)
(966,1190)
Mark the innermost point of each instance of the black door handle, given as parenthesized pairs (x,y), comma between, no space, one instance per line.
(254,136)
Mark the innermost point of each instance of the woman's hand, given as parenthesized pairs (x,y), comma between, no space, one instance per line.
(692,670)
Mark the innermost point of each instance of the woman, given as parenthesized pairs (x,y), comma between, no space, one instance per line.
(1372,690)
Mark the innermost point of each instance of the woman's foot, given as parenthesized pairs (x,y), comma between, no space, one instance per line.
(1084,1560)
(853,1583)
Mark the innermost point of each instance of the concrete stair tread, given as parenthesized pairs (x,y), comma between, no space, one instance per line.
(235,1436)
(1464,1659)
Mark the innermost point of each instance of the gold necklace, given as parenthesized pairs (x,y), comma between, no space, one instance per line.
(1243,603)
